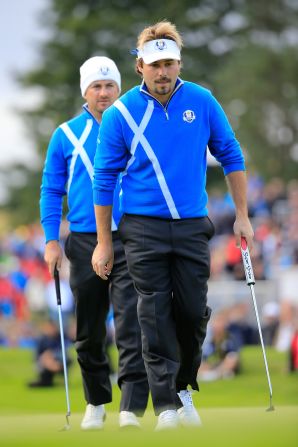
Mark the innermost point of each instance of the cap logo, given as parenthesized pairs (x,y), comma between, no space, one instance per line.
(160,45)
(104,70)
(189,116)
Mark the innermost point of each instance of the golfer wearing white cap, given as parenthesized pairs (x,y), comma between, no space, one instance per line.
(68,170)
(157,135)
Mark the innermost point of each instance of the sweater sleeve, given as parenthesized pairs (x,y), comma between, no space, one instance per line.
(223,144)
(110,158)
(53,187)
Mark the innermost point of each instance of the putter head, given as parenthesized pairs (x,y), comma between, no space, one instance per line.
(67,425)
(271,407)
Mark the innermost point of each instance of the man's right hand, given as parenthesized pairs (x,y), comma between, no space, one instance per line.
(103,259)
(53,256)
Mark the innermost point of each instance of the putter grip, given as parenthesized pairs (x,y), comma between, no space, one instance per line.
(57,286)
(249,274)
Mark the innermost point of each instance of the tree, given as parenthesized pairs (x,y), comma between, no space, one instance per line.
(258,86)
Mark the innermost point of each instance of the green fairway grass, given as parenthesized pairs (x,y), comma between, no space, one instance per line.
(233,411)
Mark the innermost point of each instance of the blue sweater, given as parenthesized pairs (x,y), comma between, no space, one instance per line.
(161,151)
(68,170)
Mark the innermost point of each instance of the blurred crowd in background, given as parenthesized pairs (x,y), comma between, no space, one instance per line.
(28,300)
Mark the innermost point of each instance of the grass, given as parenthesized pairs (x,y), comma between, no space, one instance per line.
(233,411)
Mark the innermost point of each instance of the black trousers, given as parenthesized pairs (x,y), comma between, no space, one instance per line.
(92,297)
(169,262)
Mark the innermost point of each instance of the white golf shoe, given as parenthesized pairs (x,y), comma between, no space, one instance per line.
(167,420)
(128,419)
(94,417)
(188,415)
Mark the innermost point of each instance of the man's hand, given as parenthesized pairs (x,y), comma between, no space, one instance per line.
(103,259)
(53,256)
(243,228)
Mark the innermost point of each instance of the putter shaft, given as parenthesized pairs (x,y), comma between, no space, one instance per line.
(64,362)
(58,295)
(250,280)
(261,339)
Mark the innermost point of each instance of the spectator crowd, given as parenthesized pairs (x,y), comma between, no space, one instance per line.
(27,293)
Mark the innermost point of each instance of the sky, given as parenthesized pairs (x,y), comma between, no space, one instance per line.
(20,34)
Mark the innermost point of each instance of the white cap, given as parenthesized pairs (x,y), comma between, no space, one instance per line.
(158,49)
(98,68)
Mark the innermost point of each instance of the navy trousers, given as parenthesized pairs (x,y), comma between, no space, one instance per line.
(169,262)
(92,296)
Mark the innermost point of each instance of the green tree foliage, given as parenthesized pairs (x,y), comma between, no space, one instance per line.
(244,51)
(258,86)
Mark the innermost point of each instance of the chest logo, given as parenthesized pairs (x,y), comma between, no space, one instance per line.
(189,116)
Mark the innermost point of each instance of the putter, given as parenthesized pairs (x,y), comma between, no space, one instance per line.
(250,280)
(58,295)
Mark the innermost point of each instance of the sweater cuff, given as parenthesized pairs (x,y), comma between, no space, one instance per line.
(51,233)
(234,167)
(103,198)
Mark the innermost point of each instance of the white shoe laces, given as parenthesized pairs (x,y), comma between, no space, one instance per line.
(93,411)
(127,418)
(167,419)
(167,415)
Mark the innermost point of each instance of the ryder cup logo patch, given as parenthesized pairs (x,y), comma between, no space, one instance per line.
(161,45)
(104,70)
(189,116)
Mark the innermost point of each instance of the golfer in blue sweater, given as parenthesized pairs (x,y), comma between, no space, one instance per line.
(68,170)
(156,136)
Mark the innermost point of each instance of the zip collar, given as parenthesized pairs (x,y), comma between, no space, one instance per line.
(144,89)
(87,110)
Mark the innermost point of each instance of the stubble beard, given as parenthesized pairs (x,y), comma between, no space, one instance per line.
(162,90)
